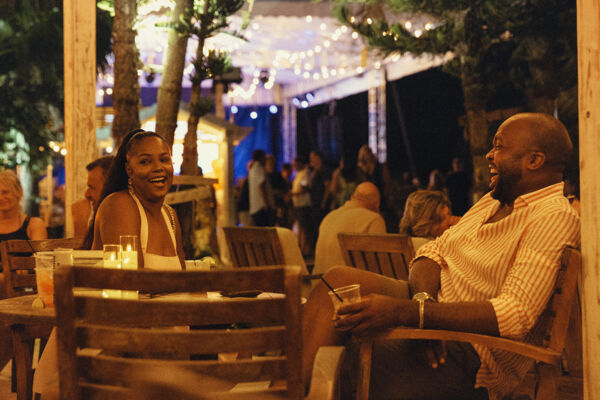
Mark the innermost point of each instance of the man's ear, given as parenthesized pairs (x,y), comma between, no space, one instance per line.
(535,160)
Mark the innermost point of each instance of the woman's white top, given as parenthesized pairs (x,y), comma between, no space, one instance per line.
(155,261)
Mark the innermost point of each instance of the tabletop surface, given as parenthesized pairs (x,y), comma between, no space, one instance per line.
(19,310)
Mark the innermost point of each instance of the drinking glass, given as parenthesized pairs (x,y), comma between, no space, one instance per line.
(111,256)
(63,257)
(44,278)
(349,294)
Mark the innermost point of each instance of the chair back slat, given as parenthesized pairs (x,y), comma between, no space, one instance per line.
(103,392)
(204,341)
(18,262)
(119,371)
(266,279)
(385,264)
(123,312)
(22,263)
(251,247)
(24,282)
(385,254)
(182,330)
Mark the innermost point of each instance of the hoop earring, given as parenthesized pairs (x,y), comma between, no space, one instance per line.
(129,185)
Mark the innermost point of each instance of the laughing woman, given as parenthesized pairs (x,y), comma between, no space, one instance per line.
(134,195)
(132,203)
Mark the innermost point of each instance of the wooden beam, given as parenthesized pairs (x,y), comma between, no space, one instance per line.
(79,23)
(588,54)
(185,196)
(193,180)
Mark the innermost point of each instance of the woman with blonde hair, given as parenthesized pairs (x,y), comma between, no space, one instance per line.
(14,223)
(426,216)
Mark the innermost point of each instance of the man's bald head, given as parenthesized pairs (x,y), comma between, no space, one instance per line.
(548,135)
(367,195)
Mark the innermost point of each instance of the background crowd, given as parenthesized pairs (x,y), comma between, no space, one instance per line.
(300,195)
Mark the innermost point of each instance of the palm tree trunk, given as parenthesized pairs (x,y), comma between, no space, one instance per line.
(126,92)
(476,134)
(169,92)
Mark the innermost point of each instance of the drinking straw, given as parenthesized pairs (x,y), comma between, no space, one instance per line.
(332,290)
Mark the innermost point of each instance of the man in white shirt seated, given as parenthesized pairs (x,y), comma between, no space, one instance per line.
(360,214)
(492,273)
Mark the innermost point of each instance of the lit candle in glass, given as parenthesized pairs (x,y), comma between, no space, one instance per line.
(129,256)
(129,259)
(111,256)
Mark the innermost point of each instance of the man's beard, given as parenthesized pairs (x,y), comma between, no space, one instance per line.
(506,183)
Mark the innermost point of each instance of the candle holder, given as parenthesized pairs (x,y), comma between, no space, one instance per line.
(129,259)
(111,258)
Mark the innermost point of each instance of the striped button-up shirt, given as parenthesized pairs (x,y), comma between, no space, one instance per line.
(512,263)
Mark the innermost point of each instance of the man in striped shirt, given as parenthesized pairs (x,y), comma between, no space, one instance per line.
(492,273)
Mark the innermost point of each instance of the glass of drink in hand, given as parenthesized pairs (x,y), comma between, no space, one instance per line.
(348,294)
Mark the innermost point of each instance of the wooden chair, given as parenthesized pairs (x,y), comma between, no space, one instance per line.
(553,324)
(256,247)
(386,254)
(251,247)
(18,262)
(138,335)
(18,265)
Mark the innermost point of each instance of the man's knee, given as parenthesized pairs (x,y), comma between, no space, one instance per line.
(340,276)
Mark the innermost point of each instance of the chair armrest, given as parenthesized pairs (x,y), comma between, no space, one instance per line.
(537,353)
(310,277)
(324,384)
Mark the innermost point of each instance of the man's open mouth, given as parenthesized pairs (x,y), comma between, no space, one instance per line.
(493,177)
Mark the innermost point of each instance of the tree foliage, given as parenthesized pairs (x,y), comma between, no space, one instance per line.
(31,81)
(530,44)
(506,52)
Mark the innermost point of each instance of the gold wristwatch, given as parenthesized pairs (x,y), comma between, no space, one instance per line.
(422,297)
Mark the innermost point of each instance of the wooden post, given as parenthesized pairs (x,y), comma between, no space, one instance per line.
(219,108)
(80,86)
(588,52)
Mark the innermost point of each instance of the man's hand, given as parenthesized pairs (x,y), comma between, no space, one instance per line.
(374,314)
(433,351)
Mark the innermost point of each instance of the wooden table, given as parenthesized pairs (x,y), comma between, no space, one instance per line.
(25,323)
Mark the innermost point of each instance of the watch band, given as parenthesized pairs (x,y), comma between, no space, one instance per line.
(421,313)
(422,297)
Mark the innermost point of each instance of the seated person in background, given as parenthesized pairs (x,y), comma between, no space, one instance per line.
(426,216)
(133,202)
(82,210)
(492,273)
(359,214)
(14,224)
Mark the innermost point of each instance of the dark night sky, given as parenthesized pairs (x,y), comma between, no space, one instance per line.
(431,102)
